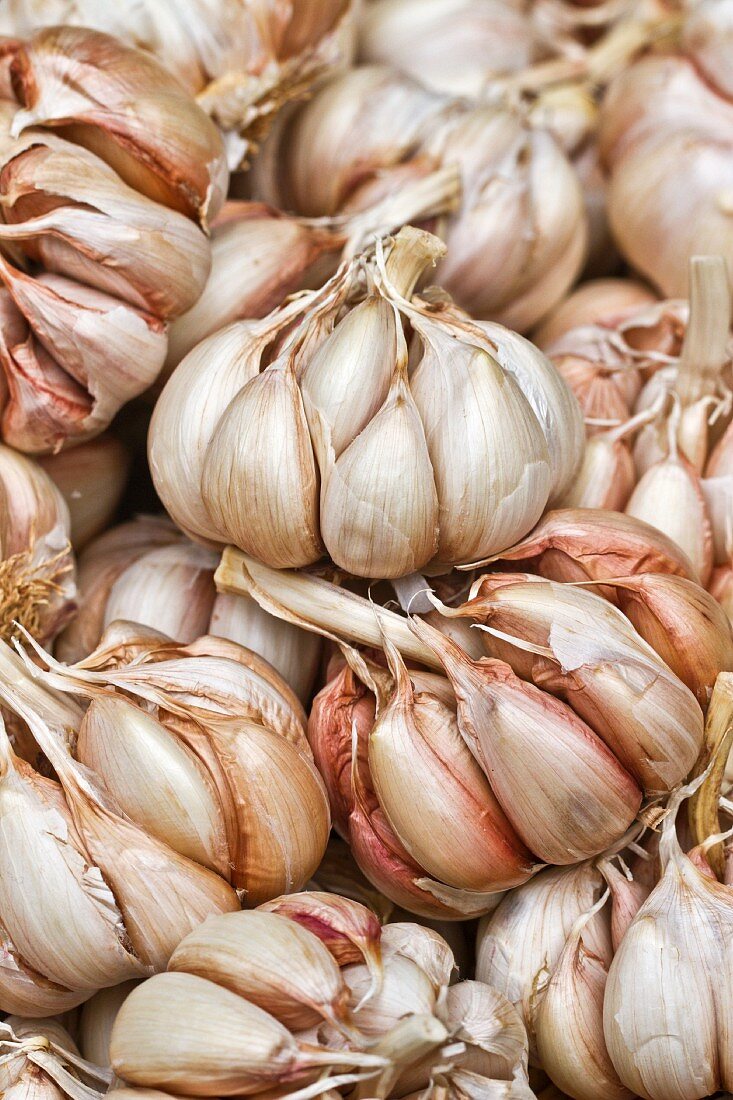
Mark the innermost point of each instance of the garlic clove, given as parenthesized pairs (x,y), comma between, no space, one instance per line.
(63,74)
(262,438)
(419,763)
(347,379)
(563,791)
(270,961)
(669,497)
(179,1032)
(627,897)
(425,947)
(471,451)
(350,931)
(520,943)
(96,1021)
(598,544)
(406,989)
(154,779)
(490,1026)
(293,652)
(92,479)
(78,943)
(684,624)
(169,588)
(606,477)
(29,993)
(569,1023)
(379,508)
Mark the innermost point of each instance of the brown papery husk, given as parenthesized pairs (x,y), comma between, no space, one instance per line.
(684,624)
(564,792)
(577,645)
(578,544)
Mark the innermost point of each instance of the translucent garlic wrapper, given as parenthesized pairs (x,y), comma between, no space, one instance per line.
(104,239)
(204,747)
(37,567)
(242,59)
(338,446)
(149,573)
(666,133)
(517,242)
(261,1000)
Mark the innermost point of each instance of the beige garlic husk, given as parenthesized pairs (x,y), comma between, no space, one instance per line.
(520,944)
(39,1058)
(92,478)
(37,567)
(550,634)
(110,205)
(242,62)
(226,741)
(147,572)
(242,987)
(667,118)
(310,165)
(337,433)
(684,924)
(454,46)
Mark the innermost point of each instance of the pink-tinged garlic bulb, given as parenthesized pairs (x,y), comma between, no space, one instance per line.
(241,59)
(518,241)
(666,136)
(597,302)
(335,445)
(109,173)
(259,1000)
(147,572)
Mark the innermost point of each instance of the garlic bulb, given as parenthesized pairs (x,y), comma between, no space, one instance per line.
(228,1017)
(37,569)
(339,400)
(517,242)
(224,750)
(592,303)
(683,928)
(39,1058)
(520,944)
(105,202)
(242,58)
(146,572)
(666,128)
(451,46)
(92,478)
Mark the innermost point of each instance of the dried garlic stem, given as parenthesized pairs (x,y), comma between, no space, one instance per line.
(703,805)
(318,606)
(705,348)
